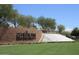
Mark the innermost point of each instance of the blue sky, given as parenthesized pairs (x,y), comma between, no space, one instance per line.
(66,14)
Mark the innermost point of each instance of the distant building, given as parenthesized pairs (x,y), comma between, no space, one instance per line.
(37,26)
(10,23)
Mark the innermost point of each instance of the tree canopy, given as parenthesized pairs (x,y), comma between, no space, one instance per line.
(25,21)
(75,32)
(47,22)
(61,28)
(7,11)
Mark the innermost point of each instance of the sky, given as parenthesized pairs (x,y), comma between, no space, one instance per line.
(65,14)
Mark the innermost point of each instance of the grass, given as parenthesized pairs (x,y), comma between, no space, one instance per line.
(66,48)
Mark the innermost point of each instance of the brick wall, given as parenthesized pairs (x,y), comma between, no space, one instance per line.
(9,34)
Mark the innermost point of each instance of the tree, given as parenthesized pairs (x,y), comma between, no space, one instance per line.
(47,23)
(66,33)
(7,12)
(51,23)
(75,32)
(29,20)
(21,20)
(61,28)
(25,21)
(42,21)
(14,16)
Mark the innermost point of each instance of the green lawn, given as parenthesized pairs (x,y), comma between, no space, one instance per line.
(41,49)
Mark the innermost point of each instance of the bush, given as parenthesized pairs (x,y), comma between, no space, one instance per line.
(66,33)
